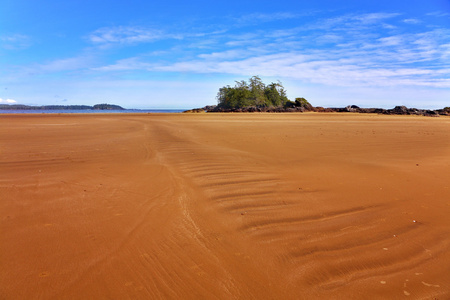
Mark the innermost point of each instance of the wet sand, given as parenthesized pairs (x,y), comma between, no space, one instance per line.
(224,206)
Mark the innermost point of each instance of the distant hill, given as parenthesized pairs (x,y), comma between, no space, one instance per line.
(103,106)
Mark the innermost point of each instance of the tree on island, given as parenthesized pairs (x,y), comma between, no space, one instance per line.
(254,93)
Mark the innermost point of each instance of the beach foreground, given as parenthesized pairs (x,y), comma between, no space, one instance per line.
(227,206)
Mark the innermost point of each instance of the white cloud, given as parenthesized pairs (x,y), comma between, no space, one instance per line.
(8,101)
(439,14)
(260,17)
(230,54)
(412,21)
(71,64)
(66,64)
(368,66)
(347,51)
(132,63)
(15,41)
(374,17)
(125,35)
(352,22)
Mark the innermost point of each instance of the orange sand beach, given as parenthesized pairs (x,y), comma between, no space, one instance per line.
(224,206)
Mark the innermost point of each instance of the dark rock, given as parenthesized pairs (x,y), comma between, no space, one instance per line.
(400,110)
(209,107)
(351,108)
(195,110)
(301,105)
(431,113)
(379,111)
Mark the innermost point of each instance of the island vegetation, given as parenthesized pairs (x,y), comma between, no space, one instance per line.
(254,95)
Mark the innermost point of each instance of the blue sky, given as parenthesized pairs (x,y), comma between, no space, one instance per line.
(177,54)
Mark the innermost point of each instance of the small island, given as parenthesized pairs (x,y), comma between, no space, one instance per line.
(255,96)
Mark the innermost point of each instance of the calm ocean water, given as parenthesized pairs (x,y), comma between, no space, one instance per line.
(68,111)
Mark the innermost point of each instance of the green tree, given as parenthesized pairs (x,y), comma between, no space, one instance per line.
(275,94)
(257,87)
(226,98)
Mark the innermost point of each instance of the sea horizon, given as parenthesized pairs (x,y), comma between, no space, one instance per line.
(87,111)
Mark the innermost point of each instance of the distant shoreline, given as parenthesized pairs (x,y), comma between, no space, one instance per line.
(76,109)
(89,111)
(103,106)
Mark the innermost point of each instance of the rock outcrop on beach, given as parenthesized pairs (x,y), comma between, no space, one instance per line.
(397,110)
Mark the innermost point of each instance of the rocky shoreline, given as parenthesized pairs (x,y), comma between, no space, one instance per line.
(398,110)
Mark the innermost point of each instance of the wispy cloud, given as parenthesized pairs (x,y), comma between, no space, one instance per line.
(439,14)
(373,17)
(125,35)
(412,21)
(66,64)
(333,72)
(15,41)
(230,54)
(107,37)
(62,67)
(352,22)
(132,63)
(340,51)
(262,18)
